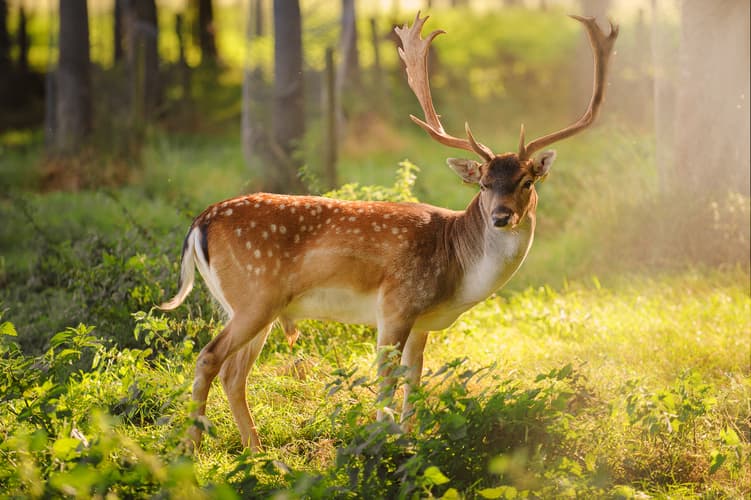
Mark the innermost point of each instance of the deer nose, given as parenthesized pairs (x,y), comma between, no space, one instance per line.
(501,218)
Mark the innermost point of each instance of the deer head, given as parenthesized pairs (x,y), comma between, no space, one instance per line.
(507,181)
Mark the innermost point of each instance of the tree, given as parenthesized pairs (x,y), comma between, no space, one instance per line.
(288,116)
(712,115)
(4,38)
(73,102)
(206,31)
(118,30)
(349,67)
(143,56)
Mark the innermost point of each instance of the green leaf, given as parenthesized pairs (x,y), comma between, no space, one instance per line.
(65,448)
(433,475)
(729,437)
(717,460)
(7,328)
(451,494)
(507,492)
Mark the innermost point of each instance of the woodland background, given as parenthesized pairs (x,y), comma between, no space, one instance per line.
(616,364)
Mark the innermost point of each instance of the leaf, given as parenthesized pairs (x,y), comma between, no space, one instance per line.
(507,492)
(451,494)
(65,448)
(717,460)
(729,437)
(433,475)
(7,328)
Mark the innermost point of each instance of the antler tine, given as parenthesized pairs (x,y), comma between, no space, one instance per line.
(602,47)
(414,53)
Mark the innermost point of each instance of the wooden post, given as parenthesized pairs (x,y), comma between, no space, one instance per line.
(182,62)
(377,75)
(330,156)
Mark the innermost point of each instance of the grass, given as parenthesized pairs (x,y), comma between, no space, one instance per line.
(636,339)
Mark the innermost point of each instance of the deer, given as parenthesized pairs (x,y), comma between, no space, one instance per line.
(404,268)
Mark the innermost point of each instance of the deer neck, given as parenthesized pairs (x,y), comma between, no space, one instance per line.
(488,257)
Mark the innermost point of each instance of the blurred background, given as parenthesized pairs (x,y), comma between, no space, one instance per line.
(121,120)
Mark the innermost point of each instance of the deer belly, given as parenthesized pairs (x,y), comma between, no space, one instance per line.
(334,304)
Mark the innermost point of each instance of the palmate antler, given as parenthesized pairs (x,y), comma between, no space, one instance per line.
(602,47)
(414,53)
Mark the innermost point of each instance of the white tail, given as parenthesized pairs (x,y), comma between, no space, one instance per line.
(404,268)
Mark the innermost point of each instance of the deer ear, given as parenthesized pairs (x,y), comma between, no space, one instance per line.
(468,170)
(542,163)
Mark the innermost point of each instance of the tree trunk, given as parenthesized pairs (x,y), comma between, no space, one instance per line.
(206,31)
(118,31)
(143,58)
(712,116)
(22,38)
(4,39)
(288,120)
(348,75)
(73,111)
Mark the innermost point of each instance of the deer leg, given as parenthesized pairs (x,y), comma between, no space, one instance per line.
(234,377)
(393,336)
(412,356)
(239,331)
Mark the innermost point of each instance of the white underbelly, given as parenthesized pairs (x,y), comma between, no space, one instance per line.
(334,304)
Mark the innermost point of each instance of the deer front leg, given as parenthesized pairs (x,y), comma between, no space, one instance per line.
(412,356)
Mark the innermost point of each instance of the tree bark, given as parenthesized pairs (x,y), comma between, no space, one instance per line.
(348,75)
(73,113)
(712,117)
(143,57)
(4,39)
(288,120)
(207,31)
(118,31)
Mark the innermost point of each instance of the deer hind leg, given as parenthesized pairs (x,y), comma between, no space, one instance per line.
(240,330)
(234,377)
(412,356)
(394,336)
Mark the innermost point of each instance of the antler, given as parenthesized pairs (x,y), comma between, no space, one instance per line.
(602,47)
(415,56)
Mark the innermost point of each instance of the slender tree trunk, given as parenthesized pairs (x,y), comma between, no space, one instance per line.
(348,75)
(118,31)
(4,39)
(22,38)
(206,31)
(288,120)
(73,79)
(143,58)
(712,118)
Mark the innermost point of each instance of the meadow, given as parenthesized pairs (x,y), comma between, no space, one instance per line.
(616,364)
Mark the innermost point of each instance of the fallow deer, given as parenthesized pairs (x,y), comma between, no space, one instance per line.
(405,268)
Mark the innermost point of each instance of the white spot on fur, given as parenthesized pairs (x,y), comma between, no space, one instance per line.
(265,235)
(228,212)
(257,254)
(252,224)
(394,230)
(282,229)
(248,245)
(273,228)
(238,231)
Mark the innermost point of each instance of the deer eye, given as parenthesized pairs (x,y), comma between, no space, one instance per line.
(528,184)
